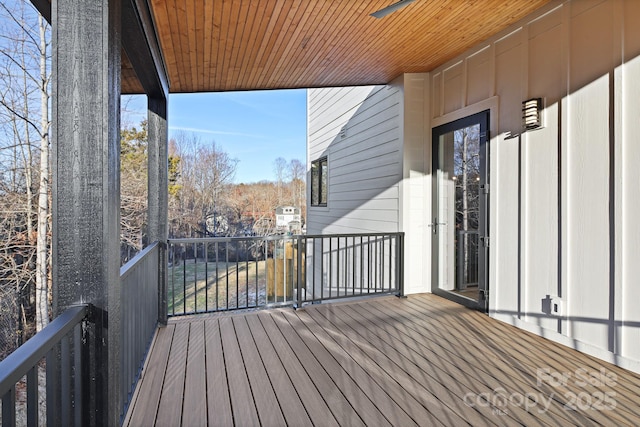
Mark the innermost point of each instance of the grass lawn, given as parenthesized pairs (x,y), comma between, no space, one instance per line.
(196,287)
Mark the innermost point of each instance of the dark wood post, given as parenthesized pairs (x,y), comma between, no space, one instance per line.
(158,193)
(143,49)
(86,39)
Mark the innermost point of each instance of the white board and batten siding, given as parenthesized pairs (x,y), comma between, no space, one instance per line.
(564,199)
(415,187)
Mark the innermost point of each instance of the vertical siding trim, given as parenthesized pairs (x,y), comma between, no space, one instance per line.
(616,144)
(523,143)
(492,70)
(565,135)
(465,83)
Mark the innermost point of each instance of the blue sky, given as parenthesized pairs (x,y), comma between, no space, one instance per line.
(254,127)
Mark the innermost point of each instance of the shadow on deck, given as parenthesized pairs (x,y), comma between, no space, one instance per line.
(380,361)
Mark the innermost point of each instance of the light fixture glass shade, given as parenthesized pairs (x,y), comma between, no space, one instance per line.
(391,8)
(532,113)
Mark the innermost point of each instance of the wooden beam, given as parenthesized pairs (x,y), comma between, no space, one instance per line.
(158,192)
(140,42)
(86,39)
(44,7)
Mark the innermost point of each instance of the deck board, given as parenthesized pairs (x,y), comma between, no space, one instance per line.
(310,397)
(530,357)
(521,359)
(334,397)
(440,361)
(495,372)
(147,403)
(372,363)
(437,398)
(194,408)
(421,360)
(218,398)
(446,351)
(364,395)
(242,402)
(288,398)
(170,406)
(264,395)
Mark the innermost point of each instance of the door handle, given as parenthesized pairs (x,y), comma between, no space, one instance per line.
(435,224)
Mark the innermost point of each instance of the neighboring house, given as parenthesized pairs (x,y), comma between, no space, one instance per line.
(548,239)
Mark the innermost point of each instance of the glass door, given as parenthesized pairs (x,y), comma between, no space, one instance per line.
(460,210)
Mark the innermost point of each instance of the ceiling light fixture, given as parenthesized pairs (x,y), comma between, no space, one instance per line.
(391,8)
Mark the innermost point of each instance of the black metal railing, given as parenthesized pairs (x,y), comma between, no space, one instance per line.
(220,274)
(53,370)
(47,381)
(139,280)
(53,353)
(350,265)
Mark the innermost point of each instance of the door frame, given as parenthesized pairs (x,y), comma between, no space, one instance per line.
(483,119)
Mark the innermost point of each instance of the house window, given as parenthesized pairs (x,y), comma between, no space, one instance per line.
(319,173)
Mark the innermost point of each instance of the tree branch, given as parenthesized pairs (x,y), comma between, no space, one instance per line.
(22,117)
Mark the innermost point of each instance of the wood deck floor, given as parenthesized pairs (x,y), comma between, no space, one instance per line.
(383,361)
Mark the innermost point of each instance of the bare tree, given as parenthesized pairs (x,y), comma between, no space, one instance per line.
(42,252)
(264,200)
(205,173)
(15,274)
(297,174)
(24,103)
(467,172)
(133,190)
(279,168)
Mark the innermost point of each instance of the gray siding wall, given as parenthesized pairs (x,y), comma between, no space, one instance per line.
(358,130)
(376,139)
(564,199)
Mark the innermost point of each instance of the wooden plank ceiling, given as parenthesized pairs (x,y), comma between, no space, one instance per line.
(223,45)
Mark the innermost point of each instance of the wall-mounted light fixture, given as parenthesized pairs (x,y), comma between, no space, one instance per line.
(532,114)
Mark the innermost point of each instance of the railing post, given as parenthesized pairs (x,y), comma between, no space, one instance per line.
(80,354)
(299,271)
(32,396)
(9,407)
(163,280)
(400,264)
(53,389)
